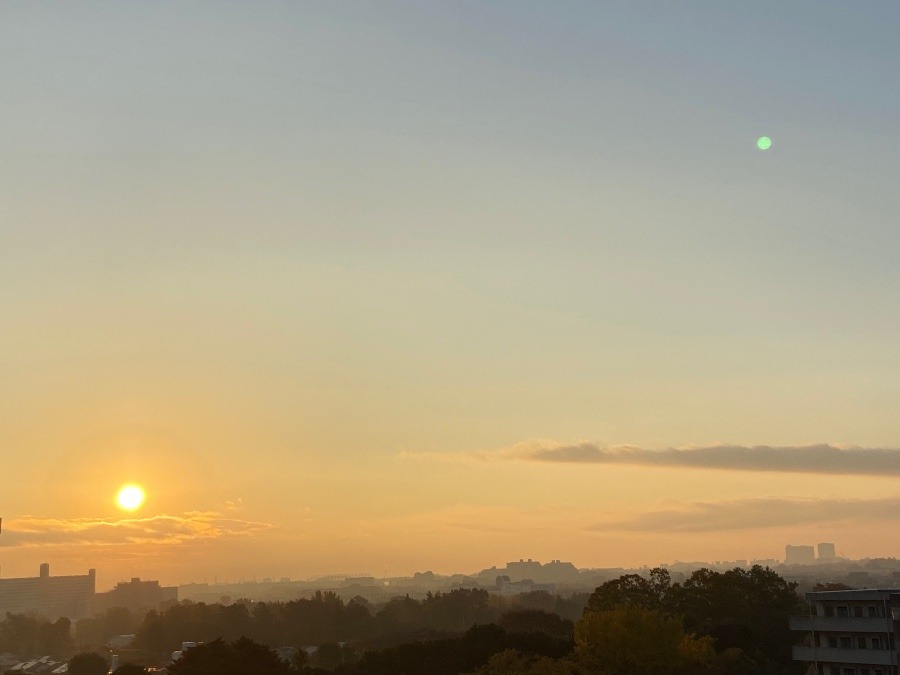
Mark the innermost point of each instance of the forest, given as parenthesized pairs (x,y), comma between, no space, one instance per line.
(720,623)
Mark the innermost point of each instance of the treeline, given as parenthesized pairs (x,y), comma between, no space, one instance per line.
(326,618)
(746,610)
(731,623)
(29,636)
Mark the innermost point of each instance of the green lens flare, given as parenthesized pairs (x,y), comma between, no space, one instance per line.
(764,143)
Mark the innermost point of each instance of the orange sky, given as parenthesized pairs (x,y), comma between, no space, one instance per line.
(389,288)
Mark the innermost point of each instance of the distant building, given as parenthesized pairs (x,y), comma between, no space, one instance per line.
(850,632)
(826,552)
(507,587)
(135,595)
(50,597)
(524,569)
(560,571)
(799,555)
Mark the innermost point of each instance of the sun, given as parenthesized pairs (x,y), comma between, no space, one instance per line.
(130,497)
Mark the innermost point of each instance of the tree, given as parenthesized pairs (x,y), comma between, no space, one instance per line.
(329,656)
(151,636)
(831,586)
(299,659)
(130,669)
(19,634)
(56,638)
(536,621)
(88,663)
(511,662)
(632,589)
(743,609)
(632,640)
(241,657)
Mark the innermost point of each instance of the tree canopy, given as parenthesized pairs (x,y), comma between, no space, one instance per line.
(747,610)
(88,663)
(632,640)
(241,657)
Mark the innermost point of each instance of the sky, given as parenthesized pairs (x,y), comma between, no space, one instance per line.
(400,286)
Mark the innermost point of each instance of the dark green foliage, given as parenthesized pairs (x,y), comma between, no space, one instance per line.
(98,629)
(631,589)
(744,610)
(88,663)
(463,654)
(571,608)
(511,662)
(331,655)
(437,657)
(324,618)
(27,636)
(537,621)
(241,657)
(633,640)
(129,669)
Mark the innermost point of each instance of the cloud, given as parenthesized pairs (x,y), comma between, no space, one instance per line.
(29,531)
(745,514)
(822,458)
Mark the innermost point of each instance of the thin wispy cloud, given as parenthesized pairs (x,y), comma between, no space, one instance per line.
(29,531)
(746,514)
(821,458)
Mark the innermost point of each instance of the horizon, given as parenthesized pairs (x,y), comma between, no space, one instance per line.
(213,579)
(411,285)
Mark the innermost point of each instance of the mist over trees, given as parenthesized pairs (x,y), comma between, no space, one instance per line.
(717,623)
(20,634)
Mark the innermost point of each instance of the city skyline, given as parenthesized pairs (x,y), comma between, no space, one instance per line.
(410,286)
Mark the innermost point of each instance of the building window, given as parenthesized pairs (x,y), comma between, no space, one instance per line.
(864,671)
(876,643)
(849,671)
(861,643)
(872,611)
(858,611)
(843,611)
(832,642)
(846,643)
(829,610)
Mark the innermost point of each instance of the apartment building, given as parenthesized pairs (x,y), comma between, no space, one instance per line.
(50,597)
(850,632)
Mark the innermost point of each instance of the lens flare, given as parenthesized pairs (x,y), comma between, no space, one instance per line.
(764,143)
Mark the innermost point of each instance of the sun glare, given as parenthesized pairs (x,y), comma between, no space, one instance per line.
(130,497)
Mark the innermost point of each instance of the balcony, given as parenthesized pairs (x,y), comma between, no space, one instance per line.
(841,624)
(866,657)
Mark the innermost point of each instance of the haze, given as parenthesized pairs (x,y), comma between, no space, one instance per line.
(386,287)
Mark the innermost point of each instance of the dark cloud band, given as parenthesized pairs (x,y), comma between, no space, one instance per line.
(746,514)
(826,459)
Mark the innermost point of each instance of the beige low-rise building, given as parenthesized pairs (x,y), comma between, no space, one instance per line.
(851,632)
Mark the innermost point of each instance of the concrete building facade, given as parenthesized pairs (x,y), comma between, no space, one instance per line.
(50,597)
(799,555)
(826,552)
(850,632)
